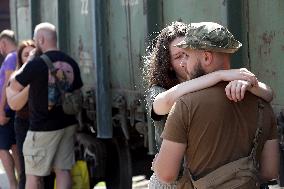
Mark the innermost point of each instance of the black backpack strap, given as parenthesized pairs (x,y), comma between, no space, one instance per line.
(52,70)
(49,64)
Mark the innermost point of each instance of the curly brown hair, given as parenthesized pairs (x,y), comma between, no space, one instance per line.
(157,63)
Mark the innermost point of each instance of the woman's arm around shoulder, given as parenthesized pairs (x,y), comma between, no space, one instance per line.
(165,100)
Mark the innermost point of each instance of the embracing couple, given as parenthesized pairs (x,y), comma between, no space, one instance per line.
(216,135)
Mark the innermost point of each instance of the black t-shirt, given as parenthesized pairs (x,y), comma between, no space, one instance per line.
(35,73)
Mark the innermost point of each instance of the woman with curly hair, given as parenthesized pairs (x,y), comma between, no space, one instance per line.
(167,80)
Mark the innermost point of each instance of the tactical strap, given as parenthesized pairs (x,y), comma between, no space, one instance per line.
(258,133)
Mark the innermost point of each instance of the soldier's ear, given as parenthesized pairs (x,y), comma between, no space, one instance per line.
(207,57)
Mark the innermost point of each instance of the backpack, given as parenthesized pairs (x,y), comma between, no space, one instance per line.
(58,89)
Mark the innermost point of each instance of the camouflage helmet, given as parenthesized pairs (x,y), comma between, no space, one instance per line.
(209,36)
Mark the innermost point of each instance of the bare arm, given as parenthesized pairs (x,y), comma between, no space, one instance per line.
(17,100)
(17,95)
(263,91)
(3,118)
(164,101)
(236,89)
(15,87)
(269,162)
(167,163)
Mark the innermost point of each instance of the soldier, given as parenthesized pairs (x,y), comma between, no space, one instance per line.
(210,130)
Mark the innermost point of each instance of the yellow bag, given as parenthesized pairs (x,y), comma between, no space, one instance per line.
(80,176)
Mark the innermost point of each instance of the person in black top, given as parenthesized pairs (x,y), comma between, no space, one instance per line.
(49,143)
(21,122)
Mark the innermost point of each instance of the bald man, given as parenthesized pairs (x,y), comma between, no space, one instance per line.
(50,140)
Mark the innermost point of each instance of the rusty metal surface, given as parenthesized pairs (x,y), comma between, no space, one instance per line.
(80,39)
(20,19)
(266,47)
(195,11)
(49,11)
(127,31)
(127,23)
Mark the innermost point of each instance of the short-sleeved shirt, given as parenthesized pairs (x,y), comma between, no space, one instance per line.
(35,73)
(9,64)
(216,130)
(158,120)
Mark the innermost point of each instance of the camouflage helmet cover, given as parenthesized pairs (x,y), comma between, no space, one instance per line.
(209,36)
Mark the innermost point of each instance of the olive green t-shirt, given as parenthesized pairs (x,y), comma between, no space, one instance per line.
(215,129)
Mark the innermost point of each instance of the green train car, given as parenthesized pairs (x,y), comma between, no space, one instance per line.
(108,39)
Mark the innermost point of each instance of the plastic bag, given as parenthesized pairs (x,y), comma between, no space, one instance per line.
(80,176)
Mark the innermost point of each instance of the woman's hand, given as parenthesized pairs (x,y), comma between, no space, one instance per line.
(236,89)
(238,74)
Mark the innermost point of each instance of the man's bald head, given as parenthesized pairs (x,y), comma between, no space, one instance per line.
(46,29)
(45,36)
